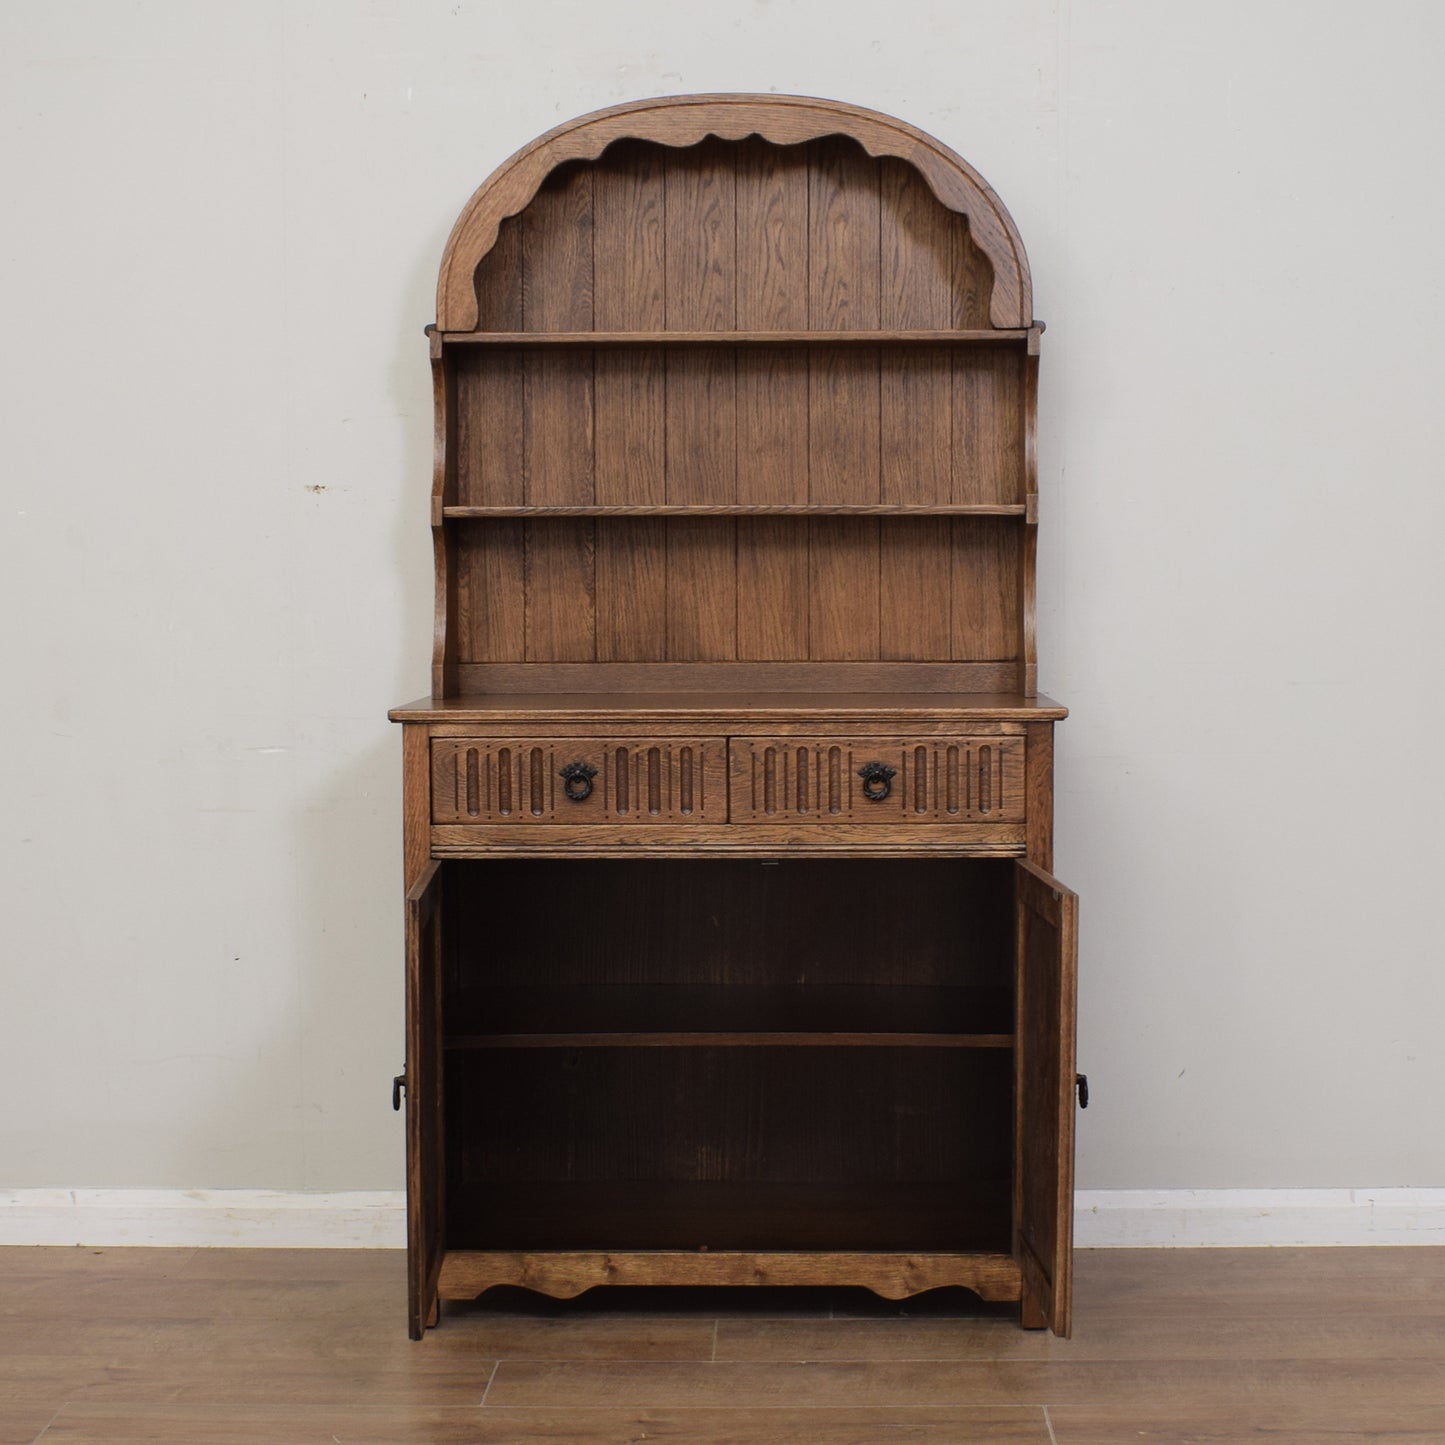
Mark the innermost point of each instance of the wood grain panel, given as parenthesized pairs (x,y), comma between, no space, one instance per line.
(488,617)
(489,459)
(843,294)
(701,296)
(560,590)
(984,594)
(773,582)
(1047,944)
(988,428)
(844,588)
(915,600)
(632,589)
(772,392)
(701,589)
(630,279)
(916,292)
(499,281)
(557,296)
(772,294)
(631,387)
(973,278)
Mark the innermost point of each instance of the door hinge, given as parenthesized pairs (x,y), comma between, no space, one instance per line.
(1081,1084)
(397,1085)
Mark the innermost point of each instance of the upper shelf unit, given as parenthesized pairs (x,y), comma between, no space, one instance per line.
(752,386)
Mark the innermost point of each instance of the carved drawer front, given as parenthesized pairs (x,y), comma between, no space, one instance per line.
(578,780)
(877,780)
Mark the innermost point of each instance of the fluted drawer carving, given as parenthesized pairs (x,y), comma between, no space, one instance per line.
(578,780)
(877,780)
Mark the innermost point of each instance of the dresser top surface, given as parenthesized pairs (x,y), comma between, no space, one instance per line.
(732,708)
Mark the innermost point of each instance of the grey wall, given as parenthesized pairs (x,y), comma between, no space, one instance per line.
(222,233)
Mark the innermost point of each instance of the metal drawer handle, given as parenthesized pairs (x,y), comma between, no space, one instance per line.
(577,781)
(877,781)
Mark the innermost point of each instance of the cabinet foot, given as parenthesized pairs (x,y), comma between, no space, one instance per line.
(1031,1312)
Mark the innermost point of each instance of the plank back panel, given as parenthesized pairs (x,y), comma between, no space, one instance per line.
(677,589)
(719,236)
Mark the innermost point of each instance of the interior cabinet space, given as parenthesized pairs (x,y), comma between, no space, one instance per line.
(733,953)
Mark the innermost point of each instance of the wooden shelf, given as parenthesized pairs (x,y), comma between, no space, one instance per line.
(729,1040)
(735,1016)
(730,338)
(882,509)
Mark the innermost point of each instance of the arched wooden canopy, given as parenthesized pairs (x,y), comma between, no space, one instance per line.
(681,121)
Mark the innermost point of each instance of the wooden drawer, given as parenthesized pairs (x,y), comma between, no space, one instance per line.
(633,780)
(822,780)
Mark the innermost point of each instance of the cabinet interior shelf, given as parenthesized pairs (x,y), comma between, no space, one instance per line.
(731,338)
(882,509)
(703,1039)
(732,1015)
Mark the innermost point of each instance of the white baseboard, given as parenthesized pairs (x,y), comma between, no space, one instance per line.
(1237,1218)
(204,1218)
(1104,1218)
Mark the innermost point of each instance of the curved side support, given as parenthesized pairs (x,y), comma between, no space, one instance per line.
(443,667)
(686,120)
(566,1274)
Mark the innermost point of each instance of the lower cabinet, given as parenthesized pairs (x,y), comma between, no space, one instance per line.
(730,1070)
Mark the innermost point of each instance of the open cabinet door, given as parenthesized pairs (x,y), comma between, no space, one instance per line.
(424,1191)
(1047,927)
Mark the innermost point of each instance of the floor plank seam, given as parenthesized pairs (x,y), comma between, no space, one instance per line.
(496,1365)
(46,1426)
(1049,1425)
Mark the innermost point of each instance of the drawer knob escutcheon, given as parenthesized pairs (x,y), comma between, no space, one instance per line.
(577,781)
(877,781)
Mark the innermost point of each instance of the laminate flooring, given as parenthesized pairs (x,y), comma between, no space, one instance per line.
(306,1347)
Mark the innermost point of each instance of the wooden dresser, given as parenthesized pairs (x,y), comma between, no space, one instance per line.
(733,956)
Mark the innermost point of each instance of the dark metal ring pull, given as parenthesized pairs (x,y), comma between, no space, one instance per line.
(577,781)
(877,780)
(1081,1083)
(397,1085)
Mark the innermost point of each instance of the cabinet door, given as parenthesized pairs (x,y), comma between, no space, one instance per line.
(424,1185)
(1047,916)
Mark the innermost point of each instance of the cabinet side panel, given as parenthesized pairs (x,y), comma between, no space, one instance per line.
(985,591)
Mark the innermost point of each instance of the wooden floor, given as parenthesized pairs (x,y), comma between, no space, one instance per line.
(1320,1347)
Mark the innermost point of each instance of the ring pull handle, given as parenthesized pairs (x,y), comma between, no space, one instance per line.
(877,781)
(577,781)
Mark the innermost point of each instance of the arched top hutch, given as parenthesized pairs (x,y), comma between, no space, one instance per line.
(732,803)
